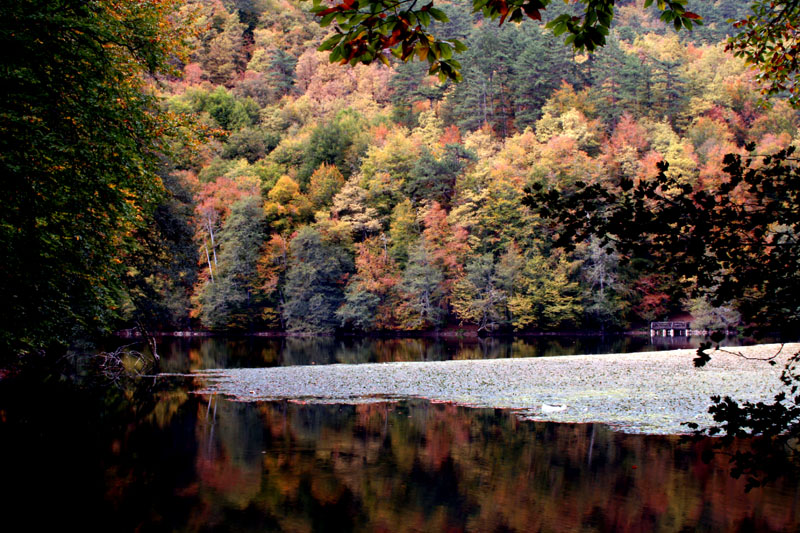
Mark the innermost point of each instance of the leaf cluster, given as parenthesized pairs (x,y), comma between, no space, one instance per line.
(767,40)
(734,242)
(370,30)
(770,428)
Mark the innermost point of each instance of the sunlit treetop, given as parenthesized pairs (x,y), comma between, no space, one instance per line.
(370,30)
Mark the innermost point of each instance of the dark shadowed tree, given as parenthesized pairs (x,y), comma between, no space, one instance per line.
(423,290)
(315,282)
(479,298)
(538,71)
(80,134)
(162,265)
(433,178)
(621,81)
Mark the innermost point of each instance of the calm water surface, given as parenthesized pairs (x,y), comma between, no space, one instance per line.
(154,457)
(185,354)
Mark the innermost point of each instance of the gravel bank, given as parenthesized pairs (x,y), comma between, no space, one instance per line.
(649,392)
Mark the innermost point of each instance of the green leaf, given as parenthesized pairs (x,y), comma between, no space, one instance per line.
(439,15)
(424,18)
(446,50)
(327,19)
(330,42)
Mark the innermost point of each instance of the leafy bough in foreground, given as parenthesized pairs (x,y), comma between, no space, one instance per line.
(733,242)
(369,30)
(773,429)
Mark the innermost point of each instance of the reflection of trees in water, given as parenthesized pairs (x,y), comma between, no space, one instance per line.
(228,462)
(79,450)
(391,350)
(152,455)
(186,354)
(325,350)
(307,350)
(198,353)
(421,466)
(157,457)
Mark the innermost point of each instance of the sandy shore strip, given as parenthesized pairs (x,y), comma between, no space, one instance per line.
(647,392)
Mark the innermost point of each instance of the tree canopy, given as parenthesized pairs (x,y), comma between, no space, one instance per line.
(375,30)
(80,136)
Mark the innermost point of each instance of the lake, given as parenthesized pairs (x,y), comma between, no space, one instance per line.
(202,353)
(152,456)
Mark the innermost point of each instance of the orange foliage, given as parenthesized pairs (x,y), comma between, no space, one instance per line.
(218,196)
(272,262)
(379,134)
(648,169)
(622,153)
(628,133)
(771,143)
(420,105)
(376,269)
(451,135)
(448,243)
(653,303)
(377,273)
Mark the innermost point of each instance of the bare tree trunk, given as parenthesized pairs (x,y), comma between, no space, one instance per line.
(210,270)
(213,244)
(149,338)
(210,228)
(483,104)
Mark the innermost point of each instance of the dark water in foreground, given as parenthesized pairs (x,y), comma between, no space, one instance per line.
(153,457)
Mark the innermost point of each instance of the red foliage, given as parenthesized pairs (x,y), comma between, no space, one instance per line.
(448,243)
(654,301)
(451,135)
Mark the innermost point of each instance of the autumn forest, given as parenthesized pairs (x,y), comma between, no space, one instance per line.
(248,184)
(375,198)
(331,265)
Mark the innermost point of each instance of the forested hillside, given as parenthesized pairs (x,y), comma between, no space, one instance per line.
(375,198)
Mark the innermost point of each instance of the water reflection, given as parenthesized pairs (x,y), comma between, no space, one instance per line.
(155,458)
(416,466)
(185,354)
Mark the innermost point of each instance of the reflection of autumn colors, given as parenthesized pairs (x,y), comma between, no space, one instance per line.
(416,466)
(154,457)
(187,354)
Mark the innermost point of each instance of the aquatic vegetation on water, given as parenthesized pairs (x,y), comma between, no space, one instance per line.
(652,392)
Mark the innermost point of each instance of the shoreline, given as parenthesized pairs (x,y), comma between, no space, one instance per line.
(641,392)
(457,334)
